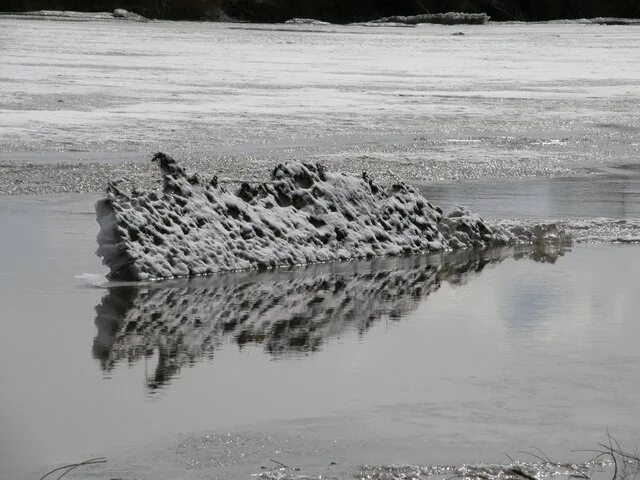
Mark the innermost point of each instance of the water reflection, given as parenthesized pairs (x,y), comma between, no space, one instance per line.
(289,312)
(615,194)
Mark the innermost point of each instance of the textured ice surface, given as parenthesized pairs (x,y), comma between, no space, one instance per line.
(236,100)
(305,214)
(546,468)
(512,471)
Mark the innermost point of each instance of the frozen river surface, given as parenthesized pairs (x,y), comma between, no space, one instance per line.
(417,360)
(501,100)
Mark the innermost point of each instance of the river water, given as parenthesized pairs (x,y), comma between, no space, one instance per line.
(441,359)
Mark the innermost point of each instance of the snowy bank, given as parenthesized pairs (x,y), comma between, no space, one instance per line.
(449,18)
(305,21)
(305,214)
(597,21)
(118,14)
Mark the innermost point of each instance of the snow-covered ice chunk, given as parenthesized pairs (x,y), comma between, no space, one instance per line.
(305,214)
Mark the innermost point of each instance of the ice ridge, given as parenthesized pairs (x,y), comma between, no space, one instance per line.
(305,214)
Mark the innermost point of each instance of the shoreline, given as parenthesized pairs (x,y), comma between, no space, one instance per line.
(405,21)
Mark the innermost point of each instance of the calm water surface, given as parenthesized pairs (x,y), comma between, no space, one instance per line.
(419,360)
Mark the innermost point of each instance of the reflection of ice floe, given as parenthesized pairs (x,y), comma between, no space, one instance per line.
(305,214)
(287,311)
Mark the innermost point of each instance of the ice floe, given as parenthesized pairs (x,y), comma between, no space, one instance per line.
(305,214)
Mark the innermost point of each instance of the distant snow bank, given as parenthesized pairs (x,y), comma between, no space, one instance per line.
(449,18)
(118,13)
(582,21)
(305,21)
(613,21)
(305,214)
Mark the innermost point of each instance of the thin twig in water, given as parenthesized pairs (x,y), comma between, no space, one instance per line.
(545,460)
(613,457)
(510,459)
(543,454)
(519,471)
(280,463)
(92,461)
(538,457)
(79,465)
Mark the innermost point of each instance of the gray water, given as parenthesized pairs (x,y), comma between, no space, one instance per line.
(428,359)
(418,360)
(613,193)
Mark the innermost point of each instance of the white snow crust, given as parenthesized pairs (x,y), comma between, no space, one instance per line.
(305,214)
(118,13)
